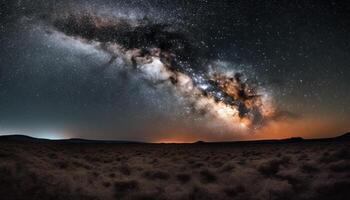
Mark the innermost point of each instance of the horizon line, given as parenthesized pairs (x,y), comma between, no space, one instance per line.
(172,142)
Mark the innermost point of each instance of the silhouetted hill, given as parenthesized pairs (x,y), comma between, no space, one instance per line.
(86,141)
(287,140)
(72,140)
(199,142)
(18,138)
(345,136)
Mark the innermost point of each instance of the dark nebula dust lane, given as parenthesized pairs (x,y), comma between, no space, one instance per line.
(199,69)
(166,56)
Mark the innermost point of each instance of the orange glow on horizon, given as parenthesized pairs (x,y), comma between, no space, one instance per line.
(181,138)
(306,128)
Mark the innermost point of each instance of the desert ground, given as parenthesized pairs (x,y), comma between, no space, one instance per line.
(63,170)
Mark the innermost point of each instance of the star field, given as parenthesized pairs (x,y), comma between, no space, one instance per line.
(74,76)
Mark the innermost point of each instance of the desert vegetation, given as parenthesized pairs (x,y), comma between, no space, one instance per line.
(58,170)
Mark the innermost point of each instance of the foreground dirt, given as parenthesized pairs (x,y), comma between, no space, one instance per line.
(52,170)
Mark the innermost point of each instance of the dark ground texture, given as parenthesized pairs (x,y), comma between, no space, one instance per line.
(35,169)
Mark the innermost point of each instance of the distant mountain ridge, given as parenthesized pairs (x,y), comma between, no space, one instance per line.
(343,137)
(19,137)
(71,140)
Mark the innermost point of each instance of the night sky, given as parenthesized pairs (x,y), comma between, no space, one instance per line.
(174,71)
